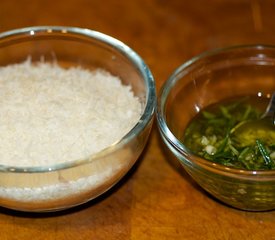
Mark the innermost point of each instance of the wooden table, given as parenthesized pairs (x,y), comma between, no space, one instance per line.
(157,199)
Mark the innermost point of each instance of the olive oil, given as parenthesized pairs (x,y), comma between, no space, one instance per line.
(212,134)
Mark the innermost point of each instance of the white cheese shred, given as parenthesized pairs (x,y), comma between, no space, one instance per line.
(51,115)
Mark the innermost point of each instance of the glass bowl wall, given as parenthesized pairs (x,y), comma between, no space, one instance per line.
(200,82)
(56,187)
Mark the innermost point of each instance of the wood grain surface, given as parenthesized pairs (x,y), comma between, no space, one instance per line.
(157,199)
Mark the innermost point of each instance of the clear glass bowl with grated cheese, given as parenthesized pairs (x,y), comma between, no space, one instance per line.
(76,110)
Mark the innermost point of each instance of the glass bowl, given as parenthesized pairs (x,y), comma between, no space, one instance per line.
(205,80)
(60,186)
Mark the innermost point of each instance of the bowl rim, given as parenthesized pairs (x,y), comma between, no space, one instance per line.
(177,146)
(125,50)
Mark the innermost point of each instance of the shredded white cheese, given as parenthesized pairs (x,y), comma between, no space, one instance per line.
(51,115)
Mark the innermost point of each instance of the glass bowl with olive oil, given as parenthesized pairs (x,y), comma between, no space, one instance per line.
(200,109)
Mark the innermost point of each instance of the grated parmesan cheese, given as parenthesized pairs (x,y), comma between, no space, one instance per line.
(51,115)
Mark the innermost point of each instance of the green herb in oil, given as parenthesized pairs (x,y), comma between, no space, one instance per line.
(211,135)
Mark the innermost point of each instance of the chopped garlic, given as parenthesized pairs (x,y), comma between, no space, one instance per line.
(204,141)
(211,150)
